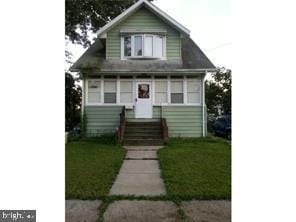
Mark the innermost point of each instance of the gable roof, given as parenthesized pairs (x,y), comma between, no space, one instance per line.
(192,55)
(155,10)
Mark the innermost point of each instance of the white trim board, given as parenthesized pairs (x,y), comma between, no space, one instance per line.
(134,91)
(128,12)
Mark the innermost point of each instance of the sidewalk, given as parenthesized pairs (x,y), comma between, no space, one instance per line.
(140,173)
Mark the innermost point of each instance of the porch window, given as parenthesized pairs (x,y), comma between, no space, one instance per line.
(193,91)
(143,46)
(177,92)
(161,88)
(109,91)
(126,91)
(93,91)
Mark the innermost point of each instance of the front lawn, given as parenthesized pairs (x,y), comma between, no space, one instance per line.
(91,168)
(197,168)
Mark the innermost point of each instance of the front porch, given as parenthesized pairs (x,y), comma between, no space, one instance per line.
(147,98)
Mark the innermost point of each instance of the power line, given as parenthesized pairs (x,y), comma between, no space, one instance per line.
(219,46)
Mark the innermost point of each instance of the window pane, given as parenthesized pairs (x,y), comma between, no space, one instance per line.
(158,47)
(94,91)
(127,46)
(161,98)
(143,91)
(148,46)
(193,85)
(177,86)
(109,97)
(126,86)
(176,97)
(110,86)
(94,85)
(138,45)
(126,97)
(94,97)
(161,86)
(193,97)
(126,91)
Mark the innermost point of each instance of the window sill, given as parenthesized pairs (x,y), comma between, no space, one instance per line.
(142,58)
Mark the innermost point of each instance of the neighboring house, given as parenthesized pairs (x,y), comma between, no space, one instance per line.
(144,61)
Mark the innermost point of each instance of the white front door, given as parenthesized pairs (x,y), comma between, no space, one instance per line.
(143,100)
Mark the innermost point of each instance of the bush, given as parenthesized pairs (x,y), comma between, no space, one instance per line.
(103,139)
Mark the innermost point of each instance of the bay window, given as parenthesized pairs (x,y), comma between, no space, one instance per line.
(148,45)
(127,46)
(138,45)
(143,46)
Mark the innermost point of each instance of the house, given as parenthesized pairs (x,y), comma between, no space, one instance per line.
(144,71)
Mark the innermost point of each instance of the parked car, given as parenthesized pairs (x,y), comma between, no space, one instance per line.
(222,126)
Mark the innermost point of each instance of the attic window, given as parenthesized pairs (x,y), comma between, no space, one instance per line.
(143,46)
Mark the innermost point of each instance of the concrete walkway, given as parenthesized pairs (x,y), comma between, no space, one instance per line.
(147,211)
(140,173)
(82,210)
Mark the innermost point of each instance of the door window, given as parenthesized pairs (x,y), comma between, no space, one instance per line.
(143,91)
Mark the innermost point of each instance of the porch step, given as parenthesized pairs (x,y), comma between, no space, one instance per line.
(143,137)
(143,133)
(143,142)
(142,130)
(143,124)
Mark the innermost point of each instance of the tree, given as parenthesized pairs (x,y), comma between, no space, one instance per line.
(218,92)
(83,16)
(73,101)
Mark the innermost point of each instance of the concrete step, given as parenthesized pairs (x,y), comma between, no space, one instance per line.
(143,124)
(143,131)
(143,142)
(144,134)
(139,137)
(143,128)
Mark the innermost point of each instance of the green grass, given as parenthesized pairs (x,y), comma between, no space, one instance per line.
(91,167)
(197,168)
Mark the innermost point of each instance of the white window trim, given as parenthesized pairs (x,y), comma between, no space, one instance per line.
(200,94)
(154,92)
(116,85)
(126,80)
(152,79)
(87,103)
(183,91)
(133,56)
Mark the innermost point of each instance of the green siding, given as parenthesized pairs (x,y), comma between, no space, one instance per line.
(156,112)
(183,121)
(143,19)
(102,119)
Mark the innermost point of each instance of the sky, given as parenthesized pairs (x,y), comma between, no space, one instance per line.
(208,20)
